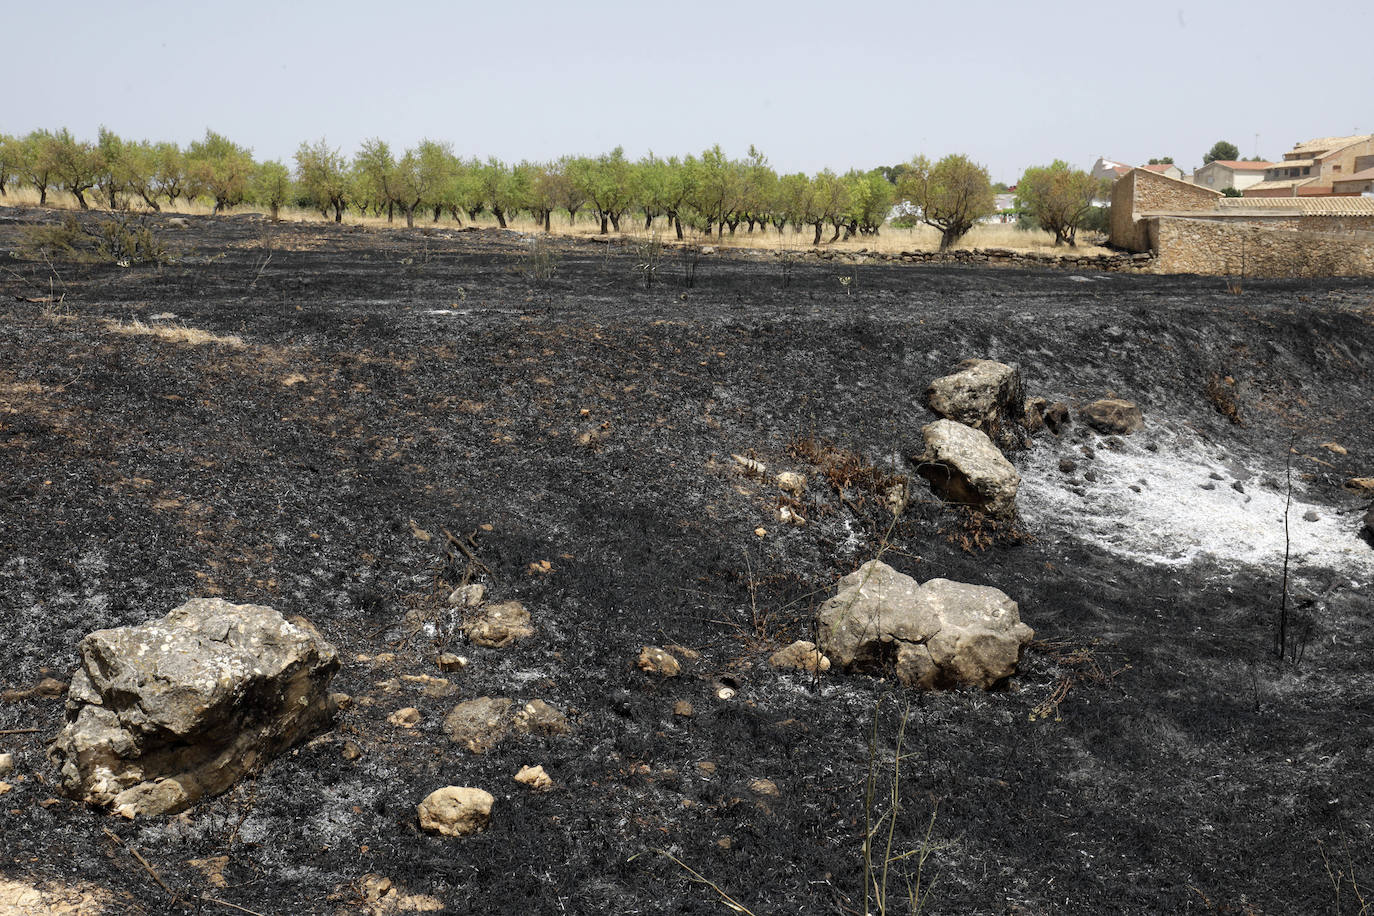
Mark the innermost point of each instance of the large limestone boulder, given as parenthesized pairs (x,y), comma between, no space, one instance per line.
(162,714)
(963,466)
(939,634)
(985,395)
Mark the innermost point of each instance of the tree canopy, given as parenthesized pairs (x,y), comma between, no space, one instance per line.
(1058,198)
(1222,150)
(950,195)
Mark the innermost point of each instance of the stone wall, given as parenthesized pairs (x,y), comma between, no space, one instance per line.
(1000,257)
(1234,248)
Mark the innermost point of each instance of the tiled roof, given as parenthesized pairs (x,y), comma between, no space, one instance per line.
(1292,163)
(1284,184)
(1240,166)
(1323,144)
(1160,167)
(1307,206)
(1366,175)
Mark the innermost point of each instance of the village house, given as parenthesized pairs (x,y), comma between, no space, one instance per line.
(1312,169)
(1167,169)
(1192,229)
(1229,173)
(1109,169)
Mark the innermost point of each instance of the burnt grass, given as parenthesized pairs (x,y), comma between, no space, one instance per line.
(575,432)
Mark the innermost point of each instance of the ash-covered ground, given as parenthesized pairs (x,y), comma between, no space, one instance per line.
(295,416)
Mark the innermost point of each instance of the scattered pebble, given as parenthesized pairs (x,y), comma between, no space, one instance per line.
(656,661)
(470,595)
(450,662)
(761,786)
(409,717)
(535,778)
(684,709)
(6,764)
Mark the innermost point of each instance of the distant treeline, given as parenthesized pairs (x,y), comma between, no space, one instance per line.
(710,191)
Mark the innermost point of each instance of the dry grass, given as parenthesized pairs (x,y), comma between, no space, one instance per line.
(174,333)
(891,240)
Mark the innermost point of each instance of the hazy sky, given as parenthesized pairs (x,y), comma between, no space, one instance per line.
(811,84)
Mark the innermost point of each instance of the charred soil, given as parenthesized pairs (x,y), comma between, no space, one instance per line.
(347,424)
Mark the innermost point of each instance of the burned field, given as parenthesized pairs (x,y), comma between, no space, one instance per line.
(349,424)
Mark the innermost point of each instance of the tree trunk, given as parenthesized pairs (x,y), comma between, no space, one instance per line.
(500,216)
(151,202)
(572,215)
(110,194)
(615,221)
(275,209)
(548,220)
(42,195)
(837,233)
(338,211)
(817,239)
(648,222)
(390,214)
(707,230)
(605,230)
(81,199)
(677,222)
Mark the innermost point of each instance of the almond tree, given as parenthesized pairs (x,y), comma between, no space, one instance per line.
(609,186)
(1059,198)
(950,196)
(11,153)
(168,176)
(272,186)
(37,161)
(323,177)
(75,165)
(375,169)
(114,168)
(219,168)
(422,176)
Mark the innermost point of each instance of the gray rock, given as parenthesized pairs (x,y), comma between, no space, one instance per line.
(163,714)
(985,395)
(939,634)
(963,466)
(1367,528)
(1112,416)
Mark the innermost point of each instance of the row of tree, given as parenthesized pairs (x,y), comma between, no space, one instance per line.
(710,191)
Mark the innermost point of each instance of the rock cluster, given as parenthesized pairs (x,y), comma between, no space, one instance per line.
(163,714)
(939,634)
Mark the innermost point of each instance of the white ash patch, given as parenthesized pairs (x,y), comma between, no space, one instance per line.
(1180,504)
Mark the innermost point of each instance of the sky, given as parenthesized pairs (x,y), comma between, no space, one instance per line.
(812,85)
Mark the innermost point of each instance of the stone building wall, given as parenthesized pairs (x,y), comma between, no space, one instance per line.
(1234,248)
(1140,192)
